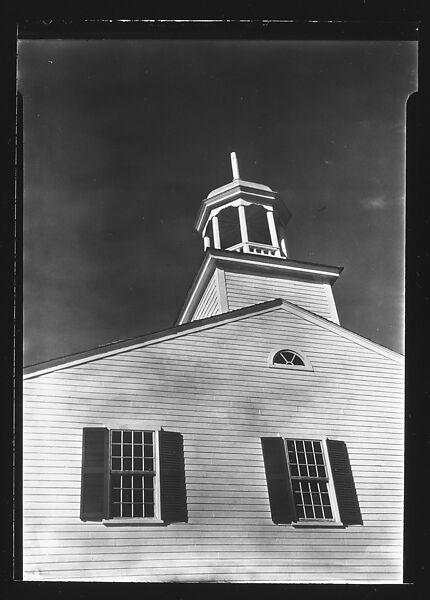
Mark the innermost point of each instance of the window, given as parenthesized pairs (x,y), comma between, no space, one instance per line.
(133,475)
(289,359)
(309,479)
(310,482)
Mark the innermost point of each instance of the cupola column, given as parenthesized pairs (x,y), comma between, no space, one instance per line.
(272,228)
(215,228)
(243,227)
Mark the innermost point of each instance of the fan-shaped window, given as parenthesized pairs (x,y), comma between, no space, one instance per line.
(288,357)
(285,358)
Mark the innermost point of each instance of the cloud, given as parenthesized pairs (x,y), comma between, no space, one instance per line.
(374,202)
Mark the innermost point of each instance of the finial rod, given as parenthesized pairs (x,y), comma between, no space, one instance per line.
(234,165)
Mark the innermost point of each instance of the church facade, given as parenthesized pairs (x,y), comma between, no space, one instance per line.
(257,440)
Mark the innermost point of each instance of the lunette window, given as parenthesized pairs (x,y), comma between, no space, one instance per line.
(298,473)
(288,358)
(132,474)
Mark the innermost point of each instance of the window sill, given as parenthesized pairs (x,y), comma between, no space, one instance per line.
(318,524)
(118,522)
(291,367)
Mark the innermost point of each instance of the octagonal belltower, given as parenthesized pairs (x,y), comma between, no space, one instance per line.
(243,216)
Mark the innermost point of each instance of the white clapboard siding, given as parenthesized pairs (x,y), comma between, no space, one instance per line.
(245,289)
(209,303)
(217,389)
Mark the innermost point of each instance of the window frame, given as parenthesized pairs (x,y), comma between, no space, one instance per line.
(306,367)
(111,520)
(335,521)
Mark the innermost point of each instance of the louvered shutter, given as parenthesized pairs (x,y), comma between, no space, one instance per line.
(343,480)
(94,485)
(172,477)
(278,480)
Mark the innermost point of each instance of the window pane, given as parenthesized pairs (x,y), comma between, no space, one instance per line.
(148,451)
(308,446)
(298,361)
(317,447)
(116,437)
(148,482)
(319,459)
(294,470)
(327,512)
(126,495)
(138,510)
(116,449)
(137,437)
(126,481)
(116,495)
(318,512)
(137,481)
(312,471)
(126,437)
(137,464)
(299,445)
(127,449)
(303,471)
(127,464)
(301,458)
(309,512)
(116,464)
(138,450)
(321,472)
(138,495)
(147,437)
(148,464)
(126,510)
(149,510)
(149,495)
(290,445)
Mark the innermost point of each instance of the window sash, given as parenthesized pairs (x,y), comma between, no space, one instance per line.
(132,496)
(310,480)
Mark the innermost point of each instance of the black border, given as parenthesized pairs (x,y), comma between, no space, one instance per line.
(353,20)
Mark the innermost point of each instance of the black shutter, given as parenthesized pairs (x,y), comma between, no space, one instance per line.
(94,485)
(172,477)
(278,480)
(343,480)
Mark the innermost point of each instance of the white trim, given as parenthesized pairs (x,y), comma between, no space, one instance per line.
(221,289)
(272,228)
(331,303)
(331,486)
(285,267)
(242,223)
(80,361)
(215,229)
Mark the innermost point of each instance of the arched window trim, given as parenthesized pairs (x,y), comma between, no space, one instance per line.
(306,367)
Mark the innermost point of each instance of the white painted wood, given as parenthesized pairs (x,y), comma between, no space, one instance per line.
(214,386)
(245,289)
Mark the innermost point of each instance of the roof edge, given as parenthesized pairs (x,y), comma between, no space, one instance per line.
(360,339)
(125,345)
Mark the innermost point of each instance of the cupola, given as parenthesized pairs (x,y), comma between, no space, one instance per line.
(244,217)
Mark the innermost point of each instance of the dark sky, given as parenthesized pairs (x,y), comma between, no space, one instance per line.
(123,139)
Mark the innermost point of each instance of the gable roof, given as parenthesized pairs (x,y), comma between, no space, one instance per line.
(218,320)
